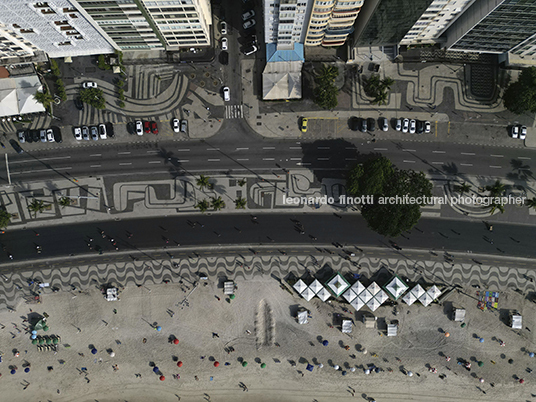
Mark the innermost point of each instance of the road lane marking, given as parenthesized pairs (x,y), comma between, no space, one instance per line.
(409,150)
(183,150)
(303,163)
(125,164)
(497,156)
(523,157)
(242,149)
(439,152)
(295,159)
(242,159)
(268,159)
(466,164)
(323,147)
(468,153)
(268,147)
(123,153)
(322,159)
(96,155)
(437,163)
(41,159)
(495,167)
(153,152)
(213,160)
(350,159)
(294,147)
(155,162)
(408,161)
(183,160)
(94,166)
(376,149)
(41,170)
(213,149)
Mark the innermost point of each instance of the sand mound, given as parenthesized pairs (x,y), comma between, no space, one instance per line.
(264,325)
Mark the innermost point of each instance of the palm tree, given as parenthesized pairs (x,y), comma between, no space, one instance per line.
(531,203)
(240,203)
(65,202)
(45,98)
(497,189)
(242,182)
(202,182)
(463,188)
(36,206)
(217,203)
(496,206)
(5,218)
(202,205)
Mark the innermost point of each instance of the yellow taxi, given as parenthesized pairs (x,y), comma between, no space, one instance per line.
(303,126)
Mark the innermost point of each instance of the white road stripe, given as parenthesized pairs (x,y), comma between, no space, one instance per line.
(41,159)
(438,152)
(242,149)
(495,167)
(268,159)
(125,164)
(268,147)
(213,160)
(376,149)
(302,163)
(155,162)
(96,155)
(242,159)
(213,149)
(437,163)
(123,153)
(523,157)
(466,164)
(183,160)
(498,156)
(94,166)
(468,153)
(183,150)
(153,152)
(295,159)
(322,159)
(296,148)
(408,161)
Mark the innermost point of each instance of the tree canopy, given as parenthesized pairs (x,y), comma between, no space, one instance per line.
(378,178)
(93,97)
(325,92)
(378,89)
(520,96)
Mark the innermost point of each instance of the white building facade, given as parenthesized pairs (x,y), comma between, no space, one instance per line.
(285,21)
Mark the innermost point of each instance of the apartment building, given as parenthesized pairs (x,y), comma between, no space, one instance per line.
(285,21)
(124,22)
(332,21)
(439,15)
(57,27)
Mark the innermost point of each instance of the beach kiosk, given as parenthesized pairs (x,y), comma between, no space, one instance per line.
(111,294)
(228,287)
(346,326)
(392,328)
(516,321)
(459,314)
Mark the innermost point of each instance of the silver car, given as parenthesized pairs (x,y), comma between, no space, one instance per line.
(398,126)
(405,126)
(43,135)
(94,133)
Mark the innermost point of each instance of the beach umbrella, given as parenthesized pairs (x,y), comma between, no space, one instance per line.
(521,381)
(352,369)
(336,367)
(481,340)
(344,373)
(34,336)
(112,354)
(27,370)
(34,341)
(410,373)
(480,364)
(447,334)
(244,364)
(159,328)
(55,341)
(13,371)
(45,328)
(377,370)
(155,369)
(463,325)
(364,351)
(531,354)
(34,332)
(325,342)
(94,351)
(162,378)
(179,364)
(481,380)
(232,297)
(41,341)
(49,341)
(320,365)
(216,364)
(263,365)
(367,371)
(176,341)
(309,367)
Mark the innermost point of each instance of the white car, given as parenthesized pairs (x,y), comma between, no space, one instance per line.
(139,127)
(384,125)
(226,94)
(224,44)
(523,133)
(89,84)
(102,131)
(50,135)
(223,28)
(514,131)
(248,14)
(249,24)
(405,126)
(427,127)
(176,125)
(77,131)
(43,135)
(398,126)
(412,126)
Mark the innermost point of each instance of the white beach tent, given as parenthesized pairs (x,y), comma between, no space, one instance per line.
(357,303)
(316,286)
(300,286)
(308,294)
(349,295)
(381,296)
(357,287)
(323,294)
(396,288)
(374,288)
(426,299)
(364,296)
(434,292)
(373,304)
(409,298)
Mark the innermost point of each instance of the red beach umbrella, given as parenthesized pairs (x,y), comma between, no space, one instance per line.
(162,378)
(179,364)
(176,341)
(216,364)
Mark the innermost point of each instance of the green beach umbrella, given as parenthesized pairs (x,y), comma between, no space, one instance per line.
(232,297)
(34,341)
(244,364)
(41,341)
(463,325)
(45,328)
(263,365)
(49,341)
(480,364)
(56,341)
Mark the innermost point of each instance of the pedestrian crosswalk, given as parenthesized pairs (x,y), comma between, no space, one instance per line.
(234,112)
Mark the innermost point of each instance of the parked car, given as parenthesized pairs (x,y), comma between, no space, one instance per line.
(224,44)
(363,125)
(176,125)
(78,103)
(146,127)
(57,135)
(420,127)
(384,124)
(223,28)
(102,131)
(184,126)
(35,135)
(43,135)
(514,131)
(371,124)
(405,126)
(16,146)
(249,24)
(398,125)
(427,127)
(89,84)
(248,14)
(250,50)
(224,57)
(139,127)
(412,126)
(522,132)
(50,135)
(226,94)
(77,131)
(354,123)
(154,127)
(85,133)
(110,130)
(94,133)
(303,125)
(22,136)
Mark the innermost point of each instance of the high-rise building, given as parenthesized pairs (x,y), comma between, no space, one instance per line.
(495,26)
(58,27)
(285,21)
(439,15)
(15,49)
(332,21)
(386,22)
(180,23)
(124,22)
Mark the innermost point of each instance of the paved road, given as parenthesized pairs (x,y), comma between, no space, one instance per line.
(272,229)
(239,152)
